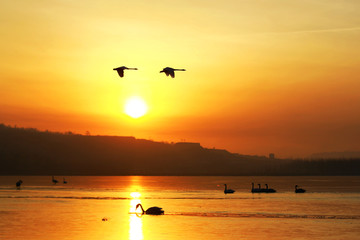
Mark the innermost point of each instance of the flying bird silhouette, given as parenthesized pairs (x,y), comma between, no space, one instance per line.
(120,70)
(171,71)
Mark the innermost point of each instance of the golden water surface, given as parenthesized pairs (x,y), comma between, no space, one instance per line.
(195,208)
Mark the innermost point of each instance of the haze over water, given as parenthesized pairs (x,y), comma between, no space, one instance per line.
(195,208)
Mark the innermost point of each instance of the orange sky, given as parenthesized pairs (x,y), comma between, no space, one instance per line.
(262,76)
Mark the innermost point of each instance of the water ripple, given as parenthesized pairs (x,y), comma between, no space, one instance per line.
(265,215)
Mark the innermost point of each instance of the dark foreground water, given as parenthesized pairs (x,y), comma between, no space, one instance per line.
(195,208)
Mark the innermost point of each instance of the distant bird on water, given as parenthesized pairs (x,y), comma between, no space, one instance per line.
(269,190)
(64,181)
(54,180)
(151,211)
(253,189)
(262,190)
(18,183)
(226,191)
(170,71)
(120,70)
(299,190)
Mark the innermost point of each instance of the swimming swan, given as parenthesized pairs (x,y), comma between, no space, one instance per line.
(299,190)
(151,211)
(262,190)
(255,190)
(228,190)
(18,183)
(269,190)
(54,180)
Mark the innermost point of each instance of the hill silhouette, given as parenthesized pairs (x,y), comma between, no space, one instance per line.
(32,152)
(336,155)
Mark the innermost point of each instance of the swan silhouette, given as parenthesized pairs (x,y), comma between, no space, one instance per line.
(261,190)
(226,191)
(18,183)
(255,190)
(151,211)
(299,190)
(120,70)
(269,190)
(170,71)
(64,181)
(54,180)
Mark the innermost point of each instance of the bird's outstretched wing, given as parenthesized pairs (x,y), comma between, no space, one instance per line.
(120,72)
(172,74)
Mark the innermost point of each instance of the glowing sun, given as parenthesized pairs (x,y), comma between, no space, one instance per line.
(135,107)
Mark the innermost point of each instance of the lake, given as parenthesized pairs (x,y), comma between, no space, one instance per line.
(195,208)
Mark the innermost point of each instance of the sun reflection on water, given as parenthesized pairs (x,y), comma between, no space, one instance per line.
(135,222)
(135,194)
